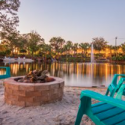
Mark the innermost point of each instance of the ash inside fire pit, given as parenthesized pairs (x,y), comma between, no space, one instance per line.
(35,77)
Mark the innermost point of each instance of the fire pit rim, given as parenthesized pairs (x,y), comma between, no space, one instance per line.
(12,81)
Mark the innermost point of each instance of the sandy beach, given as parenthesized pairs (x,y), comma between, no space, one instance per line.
(58,113)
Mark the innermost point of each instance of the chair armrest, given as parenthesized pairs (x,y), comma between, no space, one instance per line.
(103,98)
(3,67)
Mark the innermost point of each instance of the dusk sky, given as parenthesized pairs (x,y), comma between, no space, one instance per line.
(75,20)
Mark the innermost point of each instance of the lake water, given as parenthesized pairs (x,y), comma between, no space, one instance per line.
(74,74)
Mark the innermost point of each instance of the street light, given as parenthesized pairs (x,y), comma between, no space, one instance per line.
(116,45)
(116,38)
(116,41)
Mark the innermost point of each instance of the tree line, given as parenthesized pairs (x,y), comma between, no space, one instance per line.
(33,42)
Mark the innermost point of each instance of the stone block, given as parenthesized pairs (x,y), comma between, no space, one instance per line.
(32,94)
(54,97)
(53,86)
(13,87)
(45,93)
(8,101)
(9,91)
(25,99)
(42,87)
(33,104)
(61,84)
(19,103)
(26,88)
(19,93)
(11,97)
(60,93)
(55,91)
(6,85)
(37,99)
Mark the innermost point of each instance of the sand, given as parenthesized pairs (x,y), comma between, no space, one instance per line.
(58,113)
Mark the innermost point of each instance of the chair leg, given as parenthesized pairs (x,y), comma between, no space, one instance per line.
(79,116)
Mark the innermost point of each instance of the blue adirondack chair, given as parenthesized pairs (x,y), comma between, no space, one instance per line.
(7,75)
(109,111)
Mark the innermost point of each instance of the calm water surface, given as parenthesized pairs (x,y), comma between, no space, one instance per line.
(74,74)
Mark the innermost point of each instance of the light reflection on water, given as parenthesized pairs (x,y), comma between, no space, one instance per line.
(74,74)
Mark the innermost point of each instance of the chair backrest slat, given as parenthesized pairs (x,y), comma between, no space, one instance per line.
(7,75)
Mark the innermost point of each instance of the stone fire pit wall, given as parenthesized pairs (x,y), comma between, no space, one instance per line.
(32,94)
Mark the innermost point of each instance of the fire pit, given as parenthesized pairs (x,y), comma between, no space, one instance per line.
(23,93)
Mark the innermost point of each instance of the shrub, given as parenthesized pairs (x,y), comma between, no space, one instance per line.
(118,58)
(2,53)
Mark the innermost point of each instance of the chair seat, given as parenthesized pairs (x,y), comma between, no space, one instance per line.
(108,114)
(4,76)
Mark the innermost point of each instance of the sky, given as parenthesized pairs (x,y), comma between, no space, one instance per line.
(75,20)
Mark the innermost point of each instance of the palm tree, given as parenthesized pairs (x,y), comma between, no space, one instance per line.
(61,42)
(115,48)
(69,45)
(57,43)
(110,47)
(65,49)
(75,47)
(45,48)
(84,46)
(123,47)
(99,44)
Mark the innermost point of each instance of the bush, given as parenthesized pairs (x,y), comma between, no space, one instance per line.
(8,52)
(2,53)
(23,51)
(74,59)
(48,56)
(118,58)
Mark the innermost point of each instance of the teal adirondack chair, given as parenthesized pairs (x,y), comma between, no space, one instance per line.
(7,75)
(114,86)
(109,111)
